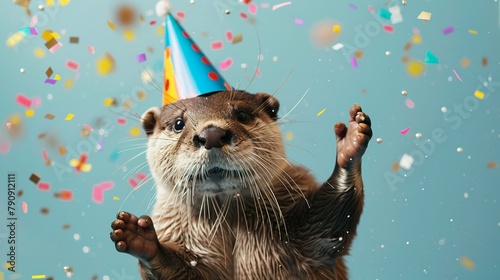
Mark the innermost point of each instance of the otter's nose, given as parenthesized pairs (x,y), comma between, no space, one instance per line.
(213,137)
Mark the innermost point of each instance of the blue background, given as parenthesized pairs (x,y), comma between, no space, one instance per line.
(438,220)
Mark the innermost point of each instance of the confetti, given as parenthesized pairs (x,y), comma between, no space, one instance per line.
(4,147)
(371,9)
(229,35)
(224,65)
(431,58)
(24,207)
(134,131)
(14,39)
(44,210)
(289,136)
(479,94)
(141,57)
(217,45)
(404,131)
(464,62)
(62,150)
(388,28)
(50,81)
(492,164)
(72,65)
(105,64)
(69,117)
(81,164)
(237,39)
(64,2)
(74,40)
(337,46)
(383,13)
(409,103)
(456,74)
(448,30)
(396,16)
(116,198)
(467,263)
(126,15)
(336,28)
(404,92)
(298,21)
(39,53)
(109,101)
(29,113)
(134,183)
(460,149)
(354,63)
(43,186)
(252,9)
(98,191)
(91,49)
(55,47)
(321,112)
(484,61)
(379,140)
(129,34)
(277,6)
(415,68)
(352,6)
(23,100)
(40,276)
(406,161)
(66,195)
(34,178)
(424,16)
(471,31)
(111,25)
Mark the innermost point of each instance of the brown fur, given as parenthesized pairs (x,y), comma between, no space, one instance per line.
(276,223)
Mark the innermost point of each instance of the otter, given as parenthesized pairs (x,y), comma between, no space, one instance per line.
(230,205)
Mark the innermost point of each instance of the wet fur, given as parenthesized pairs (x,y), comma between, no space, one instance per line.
(277,223)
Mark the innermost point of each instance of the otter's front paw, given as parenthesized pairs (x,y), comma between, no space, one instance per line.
(135,236)
(353,139)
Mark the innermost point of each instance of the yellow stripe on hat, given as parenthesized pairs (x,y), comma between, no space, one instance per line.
(170,94)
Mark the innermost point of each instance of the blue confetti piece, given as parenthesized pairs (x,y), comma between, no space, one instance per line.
(431,58)
(385,14)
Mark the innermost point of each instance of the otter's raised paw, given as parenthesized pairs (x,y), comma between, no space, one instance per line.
(135,236)
(353,139)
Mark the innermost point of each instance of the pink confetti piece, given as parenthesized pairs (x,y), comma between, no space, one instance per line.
(224,65)
(416,31)
(72,65)
(45,156)
(264,5)
(404,131)
(153,22)
(257,72)
(98,190)
(91,49)
(229,36)
(217,45)
(352,6)
(141,176)
(23,100)
(448,30)
(456,75)
(55,47)
(88,127)
(141,57)
(43,186)
(36,102)
(409,103)
(4,147)
(180,14)
(354,62)
(121,121)
(243,15)
(281,5)
(371,9)
(298,21)
(24,207)
(50,81)
(132,182)
(388,28)
(252,9)
(34,20)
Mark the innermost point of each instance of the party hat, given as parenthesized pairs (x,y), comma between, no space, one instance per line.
(187,71)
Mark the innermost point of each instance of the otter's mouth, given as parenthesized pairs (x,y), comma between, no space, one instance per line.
(217,174)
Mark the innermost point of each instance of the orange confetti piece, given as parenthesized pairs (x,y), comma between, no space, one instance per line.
(467,263)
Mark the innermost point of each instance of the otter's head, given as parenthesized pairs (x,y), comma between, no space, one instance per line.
(226,142)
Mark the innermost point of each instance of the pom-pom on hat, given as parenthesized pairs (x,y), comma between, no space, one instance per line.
(187,71)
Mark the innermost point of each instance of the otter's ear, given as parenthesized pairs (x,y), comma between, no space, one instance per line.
(269,104)
(148,120)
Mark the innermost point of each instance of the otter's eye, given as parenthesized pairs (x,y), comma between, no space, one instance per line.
(242,117)
(178,125)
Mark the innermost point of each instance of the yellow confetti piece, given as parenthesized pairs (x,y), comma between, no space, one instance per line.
(336,28)
(55,35)
(129,34)
(7,265)
(424,16)
(415,68)
(69,117)
(464,62)
(160,31)
(321,112)
(57,77)
(64,2)
(116,198)
(111,25)
(289,136)
(29,113)
(39,53)
(479,94)
(69,83)
(134,131)
(15,119)
(108,102)
(472,31)
(41,276)
(105,64)
(1,275)
(467,263)
(47,35)
(14,39)
(417,39)
(49,3)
